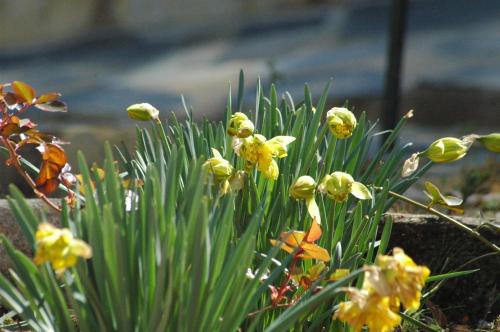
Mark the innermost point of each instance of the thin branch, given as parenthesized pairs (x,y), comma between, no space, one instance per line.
(14,160)
(457,223)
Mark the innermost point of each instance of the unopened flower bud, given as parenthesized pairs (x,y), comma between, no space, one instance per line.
(337,186)
(303,188)
(143,112)
(219,167)
(342,122)
(491,142)
(240,126)
(445,150)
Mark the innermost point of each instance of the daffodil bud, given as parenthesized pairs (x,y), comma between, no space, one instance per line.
(303,188)
(143,112)
(339,185)
(445,150)
(240,126)
(220,168)
(342,122)
(491,142)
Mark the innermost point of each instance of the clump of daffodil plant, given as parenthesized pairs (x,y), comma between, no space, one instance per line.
(146,245)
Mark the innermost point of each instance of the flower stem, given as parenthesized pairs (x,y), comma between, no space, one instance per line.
(457,223)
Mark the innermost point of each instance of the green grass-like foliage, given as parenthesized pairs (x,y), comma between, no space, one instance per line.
(176,258)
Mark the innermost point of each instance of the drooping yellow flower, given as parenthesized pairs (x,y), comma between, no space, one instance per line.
(397,276)
(256,150)
(240,125)
(341,121)
(367,308)
(446,150)
(339,185)
(59,247)
(304,189)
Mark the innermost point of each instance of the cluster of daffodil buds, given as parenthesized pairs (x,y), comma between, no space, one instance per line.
(240,126)
(143,112)
(393,281)
(341,121)
(339,185)
(221,172)
(59,247)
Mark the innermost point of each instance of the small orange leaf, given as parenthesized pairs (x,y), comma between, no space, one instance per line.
(314,232)
(24,91)
(293,238)
(312,250)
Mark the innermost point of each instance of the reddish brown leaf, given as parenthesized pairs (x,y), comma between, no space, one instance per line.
(53,106)
(54,154)
(24,91)
(48,97)
(48,178)
(11,98)
(54,160)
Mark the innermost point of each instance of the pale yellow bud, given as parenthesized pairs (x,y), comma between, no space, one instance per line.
(218,167)
(491,142)
(303,188)
(143,112)
(445,150)
(240,126)
(339,185)
(342,122)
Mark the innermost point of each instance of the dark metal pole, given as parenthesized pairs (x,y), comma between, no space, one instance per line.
(397,26)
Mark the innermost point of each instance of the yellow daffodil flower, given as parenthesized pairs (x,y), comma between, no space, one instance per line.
(367,308)
(59,247)
(341,121)
(240,126)
(397,276)
(303,189)
(339,185)
(256,150)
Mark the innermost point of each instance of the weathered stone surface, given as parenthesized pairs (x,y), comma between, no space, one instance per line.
(12,230)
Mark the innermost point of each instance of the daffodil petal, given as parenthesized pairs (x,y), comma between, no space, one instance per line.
(313,209)
(360,191)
